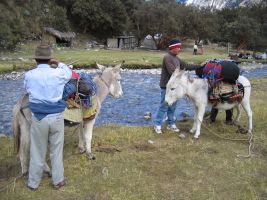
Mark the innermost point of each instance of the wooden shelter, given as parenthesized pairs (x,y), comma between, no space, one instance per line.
(59,39)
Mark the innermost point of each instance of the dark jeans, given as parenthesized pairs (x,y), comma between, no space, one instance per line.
(214,112)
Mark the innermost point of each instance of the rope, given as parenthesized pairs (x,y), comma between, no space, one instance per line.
(223,137)
(249,147)
(104,169)
(250,141)
(5,187)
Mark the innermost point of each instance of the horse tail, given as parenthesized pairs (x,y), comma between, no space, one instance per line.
(16,127)
(20,119)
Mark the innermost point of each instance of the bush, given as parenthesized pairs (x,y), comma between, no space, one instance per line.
(7,39)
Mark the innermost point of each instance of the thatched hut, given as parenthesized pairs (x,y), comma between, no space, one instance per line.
(59,39)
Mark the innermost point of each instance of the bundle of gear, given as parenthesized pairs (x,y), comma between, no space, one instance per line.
(222,78)
(79,93)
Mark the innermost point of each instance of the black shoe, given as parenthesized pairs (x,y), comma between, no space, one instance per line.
(32,189)
(230,122)
(210,121)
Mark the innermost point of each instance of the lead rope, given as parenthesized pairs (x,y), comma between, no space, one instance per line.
(250,141)
(9,184)
(104,169)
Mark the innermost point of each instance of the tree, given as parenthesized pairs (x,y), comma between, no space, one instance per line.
(116,18)
(157,18)
(7,39)
(86,13)
(242,32)
(99,18)
(259,13)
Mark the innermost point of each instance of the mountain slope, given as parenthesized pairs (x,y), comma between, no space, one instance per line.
(218,4)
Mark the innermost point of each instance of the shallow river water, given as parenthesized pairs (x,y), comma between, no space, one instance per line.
(141,94)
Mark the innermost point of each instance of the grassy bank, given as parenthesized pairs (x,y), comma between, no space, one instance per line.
(128,167)
(86,58)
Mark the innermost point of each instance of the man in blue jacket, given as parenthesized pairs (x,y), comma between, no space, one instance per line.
(45,88)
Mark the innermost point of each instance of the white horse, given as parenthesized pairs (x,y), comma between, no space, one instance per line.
(179,85)
(108,82)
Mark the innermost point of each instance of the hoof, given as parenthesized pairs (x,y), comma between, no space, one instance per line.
(190,133)
(91,156)
(26,175)
(49,174)
(82,151)
(195,139)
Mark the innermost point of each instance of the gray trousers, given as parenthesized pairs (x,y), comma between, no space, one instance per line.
(49,130)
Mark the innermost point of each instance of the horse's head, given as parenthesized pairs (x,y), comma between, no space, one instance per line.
(174,89)
(111,77)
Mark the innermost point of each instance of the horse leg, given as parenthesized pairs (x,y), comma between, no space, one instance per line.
(88,133)
(239,112)
(248,110)
(81,139)
(198,118)
(194,127)
(47,170)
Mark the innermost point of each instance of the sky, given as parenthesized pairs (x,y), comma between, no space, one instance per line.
(189,1)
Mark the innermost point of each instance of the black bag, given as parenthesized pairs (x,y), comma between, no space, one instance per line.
(230,71)
(85,87)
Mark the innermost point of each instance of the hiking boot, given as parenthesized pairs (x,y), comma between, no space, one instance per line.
(173,128)
(210,120)
(158,129)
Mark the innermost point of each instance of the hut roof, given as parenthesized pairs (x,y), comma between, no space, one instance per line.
(61,35)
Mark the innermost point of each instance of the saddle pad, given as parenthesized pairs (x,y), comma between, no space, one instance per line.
(73,114)
(88,112)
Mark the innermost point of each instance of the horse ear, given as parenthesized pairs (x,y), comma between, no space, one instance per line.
(176,72)
(181,72)
(101,67)
(117,67)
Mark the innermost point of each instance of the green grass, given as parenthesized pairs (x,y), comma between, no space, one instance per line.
(170,168)
(86,58)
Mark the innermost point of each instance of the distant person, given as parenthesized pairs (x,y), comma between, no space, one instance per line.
(45,88)
(202,49)
(169,64)
(195,49)
(263,56)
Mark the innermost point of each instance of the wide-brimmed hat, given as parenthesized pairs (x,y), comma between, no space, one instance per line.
(43,51)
